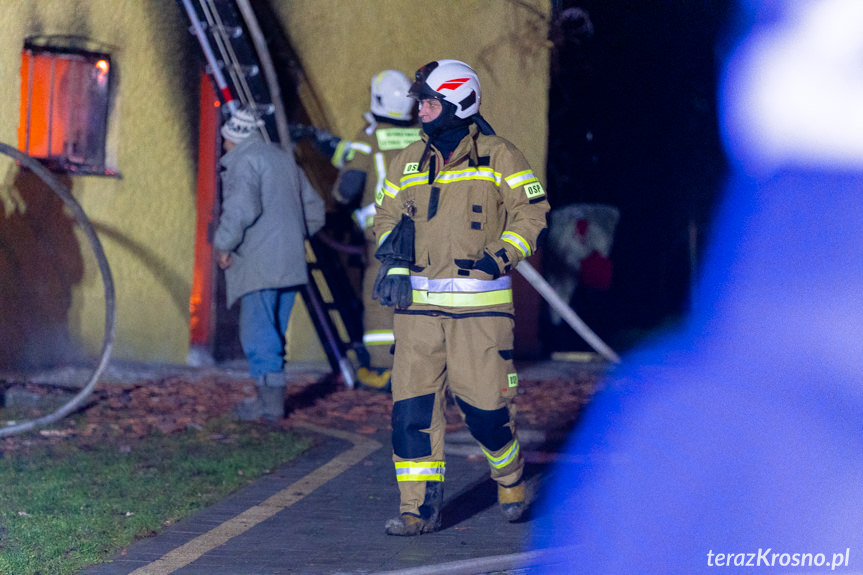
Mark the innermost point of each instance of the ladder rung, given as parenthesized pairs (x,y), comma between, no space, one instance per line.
(247,71)
(226,31)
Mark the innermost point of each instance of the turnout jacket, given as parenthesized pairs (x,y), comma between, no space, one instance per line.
(486,199)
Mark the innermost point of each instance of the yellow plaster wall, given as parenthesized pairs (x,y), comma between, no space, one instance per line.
(145,219)
(342,44)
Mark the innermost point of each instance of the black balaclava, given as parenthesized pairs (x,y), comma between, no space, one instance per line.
(447,130)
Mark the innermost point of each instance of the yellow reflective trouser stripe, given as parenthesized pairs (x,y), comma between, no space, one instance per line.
(420,470)
(505,459)
(398,272)
(455,299)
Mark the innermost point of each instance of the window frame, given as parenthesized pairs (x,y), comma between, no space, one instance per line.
(77,55)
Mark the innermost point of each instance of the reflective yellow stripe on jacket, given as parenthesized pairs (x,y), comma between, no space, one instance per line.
(519,242)
(420,470)
(444,177)
(461,292)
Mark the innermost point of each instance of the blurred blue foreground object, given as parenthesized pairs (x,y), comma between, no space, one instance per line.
(738,441)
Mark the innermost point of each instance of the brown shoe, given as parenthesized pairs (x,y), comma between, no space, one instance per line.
(407,525)
(428,520)
(512,500)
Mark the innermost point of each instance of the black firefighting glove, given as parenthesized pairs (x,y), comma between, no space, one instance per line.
(350,186)
(393,287)
(396,254)
(487,264)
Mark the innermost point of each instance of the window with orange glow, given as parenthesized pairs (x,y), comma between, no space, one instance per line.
(64,106)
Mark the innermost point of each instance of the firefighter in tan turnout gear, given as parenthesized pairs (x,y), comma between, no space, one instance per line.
(457,212)
(391,125)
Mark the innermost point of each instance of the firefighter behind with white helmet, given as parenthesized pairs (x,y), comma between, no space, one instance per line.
(457,212)
(390,126)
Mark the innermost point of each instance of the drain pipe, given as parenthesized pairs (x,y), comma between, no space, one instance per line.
(107,281)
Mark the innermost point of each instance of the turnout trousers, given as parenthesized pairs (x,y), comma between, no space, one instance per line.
(471,356)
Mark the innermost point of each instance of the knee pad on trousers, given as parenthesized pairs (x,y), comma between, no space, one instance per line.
(410,416)
(488,427)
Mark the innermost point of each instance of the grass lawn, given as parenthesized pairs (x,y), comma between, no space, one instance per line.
(65,506)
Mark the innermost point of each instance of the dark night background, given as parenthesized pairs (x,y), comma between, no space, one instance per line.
(633,124)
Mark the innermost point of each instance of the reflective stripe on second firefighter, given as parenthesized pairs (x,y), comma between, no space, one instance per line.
(365,216)
(379,337)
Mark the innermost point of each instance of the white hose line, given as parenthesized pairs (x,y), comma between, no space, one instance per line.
(546,291)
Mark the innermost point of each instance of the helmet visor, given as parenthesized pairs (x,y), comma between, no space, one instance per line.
(420,89)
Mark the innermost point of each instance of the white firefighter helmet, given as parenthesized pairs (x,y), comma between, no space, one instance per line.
(390,95)
(452,81)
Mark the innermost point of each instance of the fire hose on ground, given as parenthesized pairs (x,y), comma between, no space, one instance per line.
(567,313)
(110,314)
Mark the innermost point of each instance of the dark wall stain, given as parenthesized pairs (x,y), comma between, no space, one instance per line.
(40,263)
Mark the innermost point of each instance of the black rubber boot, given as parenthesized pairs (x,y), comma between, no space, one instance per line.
(428,520)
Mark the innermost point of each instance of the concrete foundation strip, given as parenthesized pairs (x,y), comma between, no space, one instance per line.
(197,547)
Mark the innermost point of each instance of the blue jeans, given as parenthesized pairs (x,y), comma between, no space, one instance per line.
(264,318)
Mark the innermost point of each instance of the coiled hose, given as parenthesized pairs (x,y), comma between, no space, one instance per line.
(110,314)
